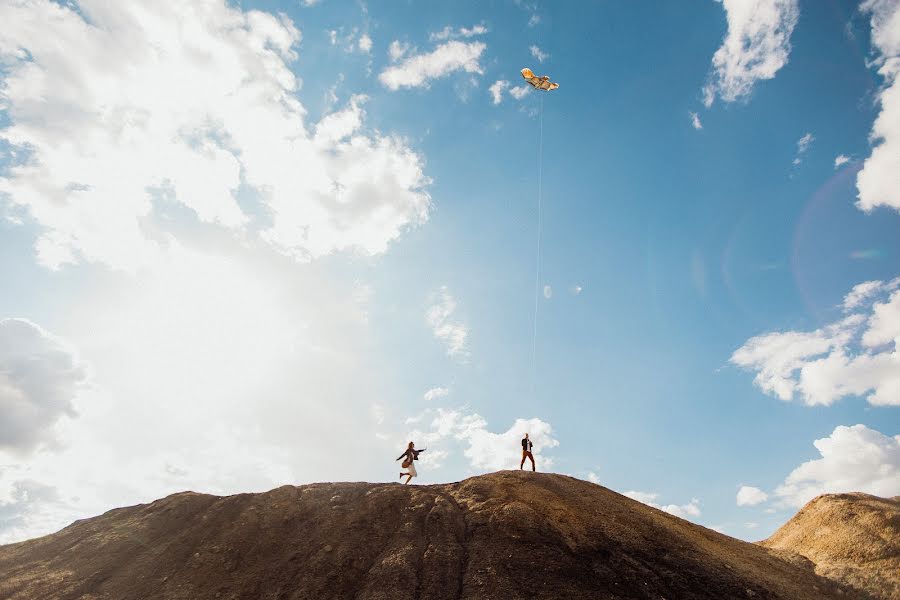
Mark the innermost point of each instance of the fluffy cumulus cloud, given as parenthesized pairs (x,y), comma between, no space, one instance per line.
(116,109)
(39,378)
(171,137)
(878,182)
(496,90)
(750,496)
(485,450)
(755,47)
(684,511)
(840,160)
(856,355)
(417,70)
(852,459)
(860,293)
(440,317)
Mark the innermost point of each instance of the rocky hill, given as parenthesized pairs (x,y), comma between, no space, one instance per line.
(852,538)
(505,535)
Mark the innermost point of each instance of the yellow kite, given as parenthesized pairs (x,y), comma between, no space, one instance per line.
(538,83)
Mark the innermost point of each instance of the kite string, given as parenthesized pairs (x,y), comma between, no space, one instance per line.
(537,267)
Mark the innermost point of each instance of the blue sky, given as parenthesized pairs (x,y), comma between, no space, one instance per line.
(249,244)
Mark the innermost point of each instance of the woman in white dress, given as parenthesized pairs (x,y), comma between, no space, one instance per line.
(410,456)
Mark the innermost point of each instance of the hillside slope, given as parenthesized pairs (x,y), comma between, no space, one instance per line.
(505,535)
(852,538)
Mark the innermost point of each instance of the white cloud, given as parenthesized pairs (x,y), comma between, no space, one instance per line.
(695,120)
(519,91)
(576,289)
(496,90)
(339,125)
(439,317)
(309,3)
(350,40)
(365,43)
(840,159)
(878,182)
(802,146)
(684,511)
(756,46)
(26,506)
(443,34)
(449,33)
(854,356)
(397,50)
(853,459)
(418,69)
(188,116)
(548,292)
(538,54)
(751,496)
(435,393)
(473,31)
(39,378)
(593,477)
(485,450)
(804,142)
(643,497)
(531,7)
(243,363)
(751,525)
(860,293)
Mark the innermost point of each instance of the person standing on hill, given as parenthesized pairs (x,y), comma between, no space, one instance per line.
(526,452)
(411,455)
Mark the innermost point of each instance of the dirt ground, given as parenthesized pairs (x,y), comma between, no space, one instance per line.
(853,538)
(505,535)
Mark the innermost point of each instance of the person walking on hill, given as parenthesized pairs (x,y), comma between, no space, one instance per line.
(526,452)
(411,455)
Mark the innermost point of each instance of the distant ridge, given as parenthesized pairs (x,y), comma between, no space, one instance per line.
(851,538)
(505,535)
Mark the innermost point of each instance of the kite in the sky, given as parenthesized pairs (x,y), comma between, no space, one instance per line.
(538,83)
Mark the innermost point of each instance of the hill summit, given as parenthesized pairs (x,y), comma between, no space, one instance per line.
(505,535)
(853,538)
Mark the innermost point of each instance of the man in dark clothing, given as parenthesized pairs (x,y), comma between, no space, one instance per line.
(526,452)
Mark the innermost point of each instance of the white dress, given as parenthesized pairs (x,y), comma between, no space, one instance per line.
(412,468)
